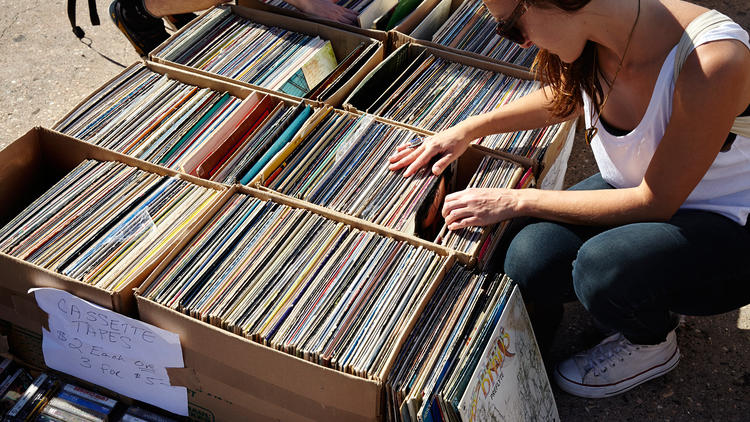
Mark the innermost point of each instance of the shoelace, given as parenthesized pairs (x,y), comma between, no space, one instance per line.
(608,354)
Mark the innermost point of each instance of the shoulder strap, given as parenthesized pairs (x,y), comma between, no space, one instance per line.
(698,26)
(93,15)
(741,126)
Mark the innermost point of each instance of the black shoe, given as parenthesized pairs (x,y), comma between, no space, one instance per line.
(179,20)
(144,32)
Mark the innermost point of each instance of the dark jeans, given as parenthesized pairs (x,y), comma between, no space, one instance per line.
(633,277)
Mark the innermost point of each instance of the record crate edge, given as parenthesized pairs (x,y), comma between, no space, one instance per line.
(32,164)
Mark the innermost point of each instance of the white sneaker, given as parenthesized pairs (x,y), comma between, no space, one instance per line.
(616,365)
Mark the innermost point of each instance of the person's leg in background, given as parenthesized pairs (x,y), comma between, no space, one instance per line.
(141,20)
(633,277)
(161,8)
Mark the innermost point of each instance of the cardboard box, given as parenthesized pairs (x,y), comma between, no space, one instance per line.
(231,377)
(28,167)
(465,167)
(224,134)
(554,164)
(464,170)
(358,100)
(406,26)
(22,343)
(343,43)
(405,52)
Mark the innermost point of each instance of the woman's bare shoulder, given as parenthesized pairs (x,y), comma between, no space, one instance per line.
(718,63)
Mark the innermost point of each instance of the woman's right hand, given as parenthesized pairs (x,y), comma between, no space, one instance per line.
(450,144)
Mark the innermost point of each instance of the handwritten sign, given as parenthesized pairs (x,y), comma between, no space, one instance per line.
(108,349)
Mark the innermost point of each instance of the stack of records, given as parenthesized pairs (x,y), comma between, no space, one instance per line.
(148,116)
(471,357)
(472,28)
(491,173)
(233,46)
(433,93)
(295,281)
(265,123)
(342,164)
(529,143)
(442,351)
(104,222)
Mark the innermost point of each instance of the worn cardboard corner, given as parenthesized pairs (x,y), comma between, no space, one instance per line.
(30,311)
(184,377)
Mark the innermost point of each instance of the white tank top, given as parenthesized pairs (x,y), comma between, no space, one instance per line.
(623,160)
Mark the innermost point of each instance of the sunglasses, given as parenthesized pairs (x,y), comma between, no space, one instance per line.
(508,29)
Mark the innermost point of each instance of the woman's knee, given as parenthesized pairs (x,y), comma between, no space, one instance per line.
(539,259)
(604,271)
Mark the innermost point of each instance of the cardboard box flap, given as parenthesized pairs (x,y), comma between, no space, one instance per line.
(263,372)
(218,401)
(416,16)
(373,83)
(19,276)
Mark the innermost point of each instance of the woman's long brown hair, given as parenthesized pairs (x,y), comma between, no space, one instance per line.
(567,80)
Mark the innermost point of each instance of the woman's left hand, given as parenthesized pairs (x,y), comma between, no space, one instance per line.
(479,207)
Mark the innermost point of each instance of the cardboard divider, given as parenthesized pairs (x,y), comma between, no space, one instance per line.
(28,167)
(343,43)
(235,375)
(381,36)
(267,194)
(406,26)
(398,39)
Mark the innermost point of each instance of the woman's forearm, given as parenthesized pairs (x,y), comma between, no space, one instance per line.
(528,112)
(608,207)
